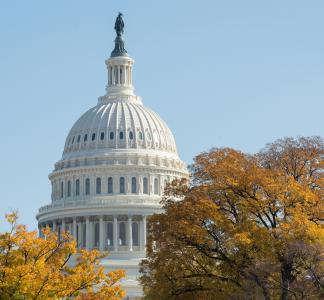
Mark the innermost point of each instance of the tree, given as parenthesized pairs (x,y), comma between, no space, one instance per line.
(39,268)
(247,227)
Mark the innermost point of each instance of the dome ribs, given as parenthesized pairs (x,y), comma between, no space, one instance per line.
(150,127)
(132,126)
(119,116)
(142,127)
(124,124)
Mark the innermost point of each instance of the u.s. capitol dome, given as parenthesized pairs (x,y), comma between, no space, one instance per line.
(117,159)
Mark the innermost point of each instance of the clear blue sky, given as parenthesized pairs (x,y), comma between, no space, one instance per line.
(220,73)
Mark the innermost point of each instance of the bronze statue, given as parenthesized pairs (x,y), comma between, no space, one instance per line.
(119,41)
(119,24)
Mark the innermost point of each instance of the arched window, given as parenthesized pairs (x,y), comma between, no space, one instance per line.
(134,189)
(87,186)
(109,235)
(121,135)
(77,187)
(85,138)
(111,135)
(98,185)
(140,135)
(110,185)
(135,234)
(145,186)
(69,189)
(62,189)
(131,135)
(93,136)
(122,233)
(102,136)
(79,137)
(122,185)
(73,141)
(156,186)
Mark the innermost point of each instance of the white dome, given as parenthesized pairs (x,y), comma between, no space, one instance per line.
(113,125)
(118,158)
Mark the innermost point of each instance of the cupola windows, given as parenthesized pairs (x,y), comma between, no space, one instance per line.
(140,135)
(111,135)
(79,137)
(93,137)
(119,75)
(102,136)
(85,138)
(131,135)
(121,135)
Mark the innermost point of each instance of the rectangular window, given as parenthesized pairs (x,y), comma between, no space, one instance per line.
(145,186)
(110,185)
(122,185)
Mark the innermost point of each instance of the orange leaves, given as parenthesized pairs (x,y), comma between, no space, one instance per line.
(249,219)
(36,268)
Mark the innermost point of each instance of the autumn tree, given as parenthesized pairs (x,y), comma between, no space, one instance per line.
(40,268)
(247,227)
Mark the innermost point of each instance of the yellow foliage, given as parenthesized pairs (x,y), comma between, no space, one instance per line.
(40,268)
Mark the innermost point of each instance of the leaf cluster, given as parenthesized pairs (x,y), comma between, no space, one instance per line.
(52,267)
(248,226)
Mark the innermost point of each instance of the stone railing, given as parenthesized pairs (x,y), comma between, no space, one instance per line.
(98,203)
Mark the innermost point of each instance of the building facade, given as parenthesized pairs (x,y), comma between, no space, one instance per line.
(117,159)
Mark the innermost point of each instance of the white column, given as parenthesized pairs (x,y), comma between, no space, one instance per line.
(87,233)
(54,225)
(124,77)
(101,234)
(144,232)
(80,234)
(112,75)
(130,234)
(74,229)
(118,75)
(63,225)
(115,235)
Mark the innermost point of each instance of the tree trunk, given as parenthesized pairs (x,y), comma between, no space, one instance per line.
(286,269)
(265,291)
